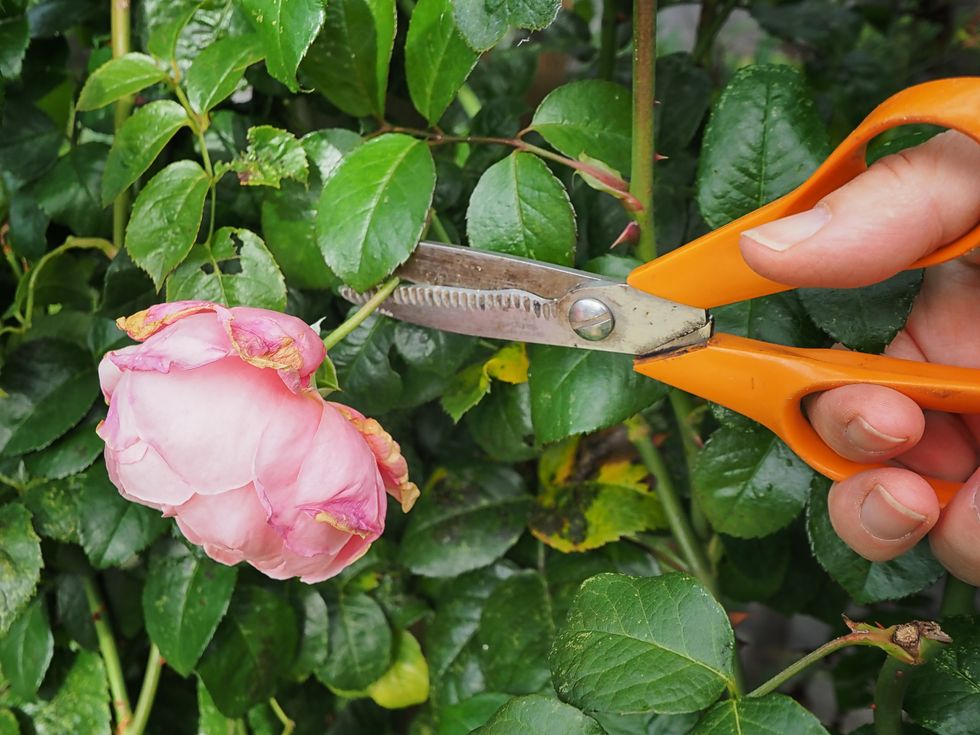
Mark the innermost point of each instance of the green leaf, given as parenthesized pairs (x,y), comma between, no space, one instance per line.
(26,649)
(166,217)
(28,226)
(251,650)
(72,453)
(287,28)
(636,644)
(373,208)
(406,683)
(210,721)
(683,95)
(364,369)
(520,207)
(437,58)
(272,155)
(253,278)
(165,22)
(466,716)
(578,391)
(49,385)
(185,597)
(865,581)
(69,192)
(29,142)
(537,714)
(138,143)
(348,63)
(591,117)
(8,722)
(864,319)
(944,694)
(55,507)
(514,657)
(314,634)
(749,483)
(469,519)
(360,643)
(484,22)
(118,78)
(288,225)
(779,318)
(81,704)
(501,423)
(763,139)
(114,530)
(509,364)
(217,70)
(14,39)
(326,148)
(451,644)
(769,715)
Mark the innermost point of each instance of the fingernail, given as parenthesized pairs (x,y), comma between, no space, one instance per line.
(867,438)
(782,234)
(885,518)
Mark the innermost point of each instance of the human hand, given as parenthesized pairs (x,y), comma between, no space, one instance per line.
(903,207)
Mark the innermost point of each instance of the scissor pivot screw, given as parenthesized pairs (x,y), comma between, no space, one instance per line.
(591,319)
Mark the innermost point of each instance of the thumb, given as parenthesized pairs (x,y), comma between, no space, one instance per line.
(904,206)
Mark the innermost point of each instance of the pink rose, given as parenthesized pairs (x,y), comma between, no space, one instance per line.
(213,420)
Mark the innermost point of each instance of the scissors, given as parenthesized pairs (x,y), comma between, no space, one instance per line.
(659,315)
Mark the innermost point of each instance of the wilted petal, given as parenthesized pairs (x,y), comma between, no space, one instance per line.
(391,463)
(268,339)
(196,340)
(148,322)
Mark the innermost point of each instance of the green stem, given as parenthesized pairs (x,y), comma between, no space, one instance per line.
(680,403)
(958,598)
(120,24)
(287,724)
(644,74)
(710,23)
(677,520)
(148,692)
(439,229)
(331,340)
(110,655)
(199,124)
(470,102)
(893,680)
(607,40)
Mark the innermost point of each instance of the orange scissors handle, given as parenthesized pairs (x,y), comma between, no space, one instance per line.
(710,271)
(767,383)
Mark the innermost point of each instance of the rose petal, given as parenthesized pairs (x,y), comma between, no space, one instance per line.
(196,340)
(338,484)
(269,339)
(148,322)
(316,568)
(231,527)
(391,463)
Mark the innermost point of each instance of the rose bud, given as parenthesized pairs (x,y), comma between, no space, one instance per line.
(213,420)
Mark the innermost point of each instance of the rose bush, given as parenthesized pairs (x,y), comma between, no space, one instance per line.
(213,421)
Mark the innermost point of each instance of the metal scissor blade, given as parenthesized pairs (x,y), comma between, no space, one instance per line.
(504,297)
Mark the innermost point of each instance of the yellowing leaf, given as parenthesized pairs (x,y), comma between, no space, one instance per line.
(472,383)
(557,462)
(509,365)
(623,472)
(406,683)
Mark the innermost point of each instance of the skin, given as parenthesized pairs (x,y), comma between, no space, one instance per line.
(901,208)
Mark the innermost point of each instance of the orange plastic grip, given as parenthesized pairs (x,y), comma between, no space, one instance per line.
(767,382)
(710,271)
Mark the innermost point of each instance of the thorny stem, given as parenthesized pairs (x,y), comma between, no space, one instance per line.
(607,40)
(110,655)
(680,403)
(641,167)
(287,724)
(890,688)
(120,23)
(331,340)
(148,692)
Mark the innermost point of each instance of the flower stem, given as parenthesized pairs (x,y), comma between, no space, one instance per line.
(958,598)
(110,655)
(287,724)
(148,692)
(680,403)
(851,639)
(120,23)
(331,340)
(677,520)
(644,71)
(890,688)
